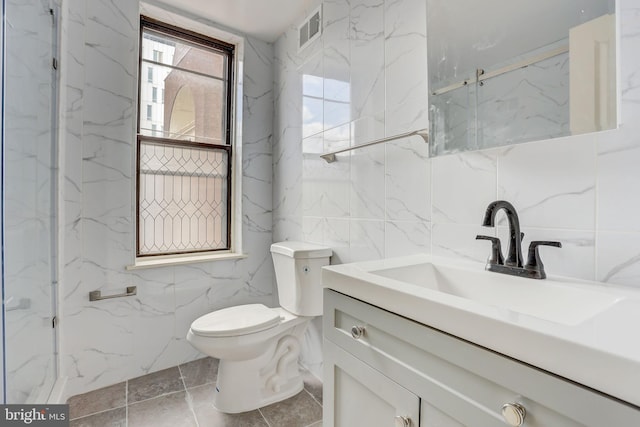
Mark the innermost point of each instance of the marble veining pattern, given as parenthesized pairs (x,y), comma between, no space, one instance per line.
(111,340)
(585,195)
(545,86)
(408,180)
(580,189)
(366,39)
(405,48)
(551,192)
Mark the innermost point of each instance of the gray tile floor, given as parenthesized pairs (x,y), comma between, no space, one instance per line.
(182,396)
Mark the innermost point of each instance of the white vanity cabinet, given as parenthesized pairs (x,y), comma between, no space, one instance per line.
(381,369)
(368,397)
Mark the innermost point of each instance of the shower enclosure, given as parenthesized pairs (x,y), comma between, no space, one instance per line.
(29,205)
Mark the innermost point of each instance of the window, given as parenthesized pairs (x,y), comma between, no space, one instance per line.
(184,176)
(150,74)
(149,112)
(157,55)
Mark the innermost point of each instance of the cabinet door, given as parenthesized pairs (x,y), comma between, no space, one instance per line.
(459,383)
(357,395)
(430,416)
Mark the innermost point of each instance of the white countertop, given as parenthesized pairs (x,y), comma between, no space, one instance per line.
(600,351)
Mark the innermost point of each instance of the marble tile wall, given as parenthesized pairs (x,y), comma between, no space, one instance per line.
(350,86)
(363,79)
(105,342)
(392,200)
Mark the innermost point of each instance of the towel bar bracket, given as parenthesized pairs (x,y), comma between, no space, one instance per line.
(424,133)
(97,295)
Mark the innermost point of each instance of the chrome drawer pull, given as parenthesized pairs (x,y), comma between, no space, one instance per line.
(402,421)
(513,414)
(357,332)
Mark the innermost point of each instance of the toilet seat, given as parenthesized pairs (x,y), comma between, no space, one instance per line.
(234,321)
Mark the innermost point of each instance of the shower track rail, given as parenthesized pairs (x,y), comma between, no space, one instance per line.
(481,75)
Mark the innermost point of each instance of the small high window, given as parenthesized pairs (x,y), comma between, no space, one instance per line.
(157,55)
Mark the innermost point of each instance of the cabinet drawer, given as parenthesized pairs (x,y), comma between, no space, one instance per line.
(354,394)
(464,381)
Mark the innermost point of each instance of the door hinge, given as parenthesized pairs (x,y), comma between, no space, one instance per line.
(54,321)
(53,22)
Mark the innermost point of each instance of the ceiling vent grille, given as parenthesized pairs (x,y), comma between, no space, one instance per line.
(310,29)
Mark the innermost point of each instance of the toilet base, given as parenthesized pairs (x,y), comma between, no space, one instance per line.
(271,377)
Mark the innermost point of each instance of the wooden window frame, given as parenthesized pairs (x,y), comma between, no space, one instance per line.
(227,145)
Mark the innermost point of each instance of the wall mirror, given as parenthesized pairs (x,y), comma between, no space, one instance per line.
(503,72)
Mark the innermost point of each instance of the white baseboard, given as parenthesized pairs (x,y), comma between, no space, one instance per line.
(57,395)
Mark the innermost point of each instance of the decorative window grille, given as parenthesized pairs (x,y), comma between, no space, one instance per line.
(184,176)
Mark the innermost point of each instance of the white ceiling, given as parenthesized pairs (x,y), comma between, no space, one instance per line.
(264,19)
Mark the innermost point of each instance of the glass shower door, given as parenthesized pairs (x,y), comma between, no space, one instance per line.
(29,203)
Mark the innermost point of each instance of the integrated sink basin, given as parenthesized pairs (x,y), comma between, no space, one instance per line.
(581,330)
(549,300)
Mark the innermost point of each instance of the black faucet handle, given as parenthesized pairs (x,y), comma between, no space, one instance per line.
(496,250)
(536,243)
(533,259)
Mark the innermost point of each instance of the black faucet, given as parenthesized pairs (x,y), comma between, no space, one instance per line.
(514,257)
(513,265)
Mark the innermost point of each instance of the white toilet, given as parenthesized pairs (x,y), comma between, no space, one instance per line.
(258,347)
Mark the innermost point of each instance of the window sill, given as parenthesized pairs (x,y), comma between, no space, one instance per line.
(160,261)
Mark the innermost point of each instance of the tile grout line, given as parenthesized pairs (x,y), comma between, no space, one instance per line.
(189,401)
(99,412)
(264,418)
(319,404)
(126,403)
(313,397)
(105,410)
(188,398)
(155,397)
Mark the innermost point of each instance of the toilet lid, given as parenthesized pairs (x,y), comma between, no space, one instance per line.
(238,320)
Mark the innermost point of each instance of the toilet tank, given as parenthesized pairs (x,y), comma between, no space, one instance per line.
(299,276)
